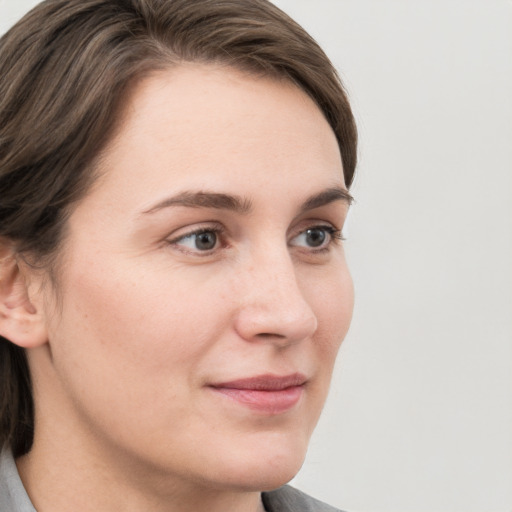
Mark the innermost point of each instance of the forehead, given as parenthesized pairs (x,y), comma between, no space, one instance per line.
(205,126)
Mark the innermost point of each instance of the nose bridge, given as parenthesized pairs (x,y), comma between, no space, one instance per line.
(273,305)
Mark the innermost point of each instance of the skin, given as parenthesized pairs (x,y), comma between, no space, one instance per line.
(126,418)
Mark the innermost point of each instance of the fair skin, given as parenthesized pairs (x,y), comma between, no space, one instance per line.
(206,254)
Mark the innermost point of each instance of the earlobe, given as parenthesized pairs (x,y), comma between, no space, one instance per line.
(21,321)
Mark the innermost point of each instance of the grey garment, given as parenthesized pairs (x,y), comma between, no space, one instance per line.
(288,499)
(14,498)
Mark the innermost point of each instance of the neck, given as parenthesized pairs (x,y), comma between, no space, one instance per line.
(59,482)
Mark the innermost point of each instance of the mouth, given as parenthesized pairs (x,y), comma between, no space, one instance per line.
(268,394)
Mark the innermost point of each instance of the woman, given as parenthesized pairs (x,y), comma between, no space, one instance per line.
(174,180)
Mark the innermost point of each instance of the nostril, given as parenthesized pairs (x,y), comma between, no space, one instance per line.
(266,335)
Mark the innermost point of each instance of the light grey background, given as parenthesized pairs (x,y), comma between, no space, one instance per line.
(420,414)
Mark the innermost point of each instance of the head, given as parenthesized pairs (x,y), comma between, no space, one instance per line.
(93,91)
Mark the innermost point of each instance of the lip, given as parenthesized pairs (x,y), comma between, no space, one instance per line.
(270,394)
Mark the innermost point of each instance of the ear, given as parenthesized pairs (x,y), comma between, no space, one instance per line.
(21,321)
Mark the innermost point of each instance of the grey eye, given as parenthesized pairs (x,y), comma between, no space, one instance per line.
(205,241)
(199,241)
(315,237)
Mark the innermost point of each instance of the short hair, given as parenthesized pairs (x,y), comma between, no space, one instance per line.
(64,72)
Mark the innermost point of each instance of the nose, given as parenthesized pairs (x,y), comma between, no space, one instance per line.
(272,306)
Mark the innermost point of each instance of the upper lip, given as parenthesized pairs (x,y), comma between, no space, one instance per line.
(267,382)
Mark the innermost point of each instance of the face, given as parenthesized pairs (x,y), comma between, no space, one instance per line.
(204,286)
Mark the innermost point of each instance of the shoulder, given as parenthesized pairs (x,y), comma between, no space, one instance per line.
(288,499)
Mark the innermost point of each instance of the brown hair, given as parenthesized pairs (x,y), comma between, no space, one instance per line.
(63,70)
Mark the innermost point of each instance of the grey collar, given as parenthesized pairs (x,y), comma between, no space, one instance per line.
(13,497)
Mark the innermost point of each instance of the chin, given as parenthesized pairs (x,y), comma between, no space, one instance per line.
(264,468)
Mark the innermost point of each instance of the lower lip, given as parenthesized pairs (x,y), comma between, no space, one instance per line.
(269,402)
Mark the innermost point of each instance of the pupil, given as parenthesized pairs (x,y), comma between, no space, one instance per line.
(206,241)
(315,237)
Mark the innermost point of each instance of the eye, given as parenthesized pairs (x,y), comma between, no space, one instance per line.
(316,237)
(203,240)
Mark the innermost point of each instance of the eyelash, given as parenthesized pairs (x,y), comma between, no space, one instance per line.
(335,237)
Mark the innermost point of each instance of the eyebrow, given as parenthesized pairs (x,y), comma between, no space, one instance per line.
(205,200)
(243,205)
(325,197)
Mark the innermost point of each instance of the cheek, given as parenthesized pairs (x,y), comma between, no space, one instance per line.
(130,344)
(126,325)
(333,304)
(335,307)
